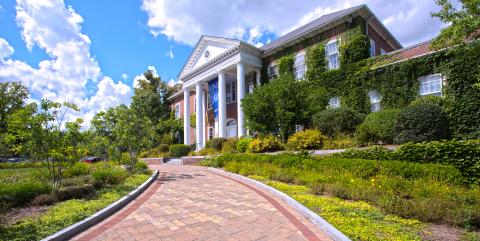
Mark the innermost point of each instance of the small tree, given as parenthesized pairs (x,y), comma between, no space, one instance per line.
(133,133)
(42,134)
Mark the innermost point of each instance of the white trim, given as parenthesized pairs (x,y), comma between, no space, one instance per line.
(431,80)
(301,64)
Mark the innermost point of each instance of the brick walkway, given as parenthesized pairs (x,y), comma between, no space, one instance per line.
(191,203)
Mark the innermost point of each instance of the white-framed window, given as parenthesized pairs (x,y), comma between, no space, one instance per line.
(375,100)
(334,103)
(382,51)
(231,128)
(210,132)
(231,92)
(299,65)
(177,111)
(372,47)
(272,70)
(431,85)
(332,55)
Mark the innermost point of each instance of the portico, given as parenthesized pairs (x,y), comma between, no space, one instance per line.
(217,72)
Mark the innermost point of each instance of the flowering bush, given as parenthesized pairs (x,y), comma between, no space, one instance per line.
(267,143)
(306,140)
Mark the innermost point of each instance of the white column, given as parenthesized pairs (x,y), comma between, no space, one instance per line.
(222,105)
(204,117)
(257,76)
(186,117)
(240,95)
(199,115)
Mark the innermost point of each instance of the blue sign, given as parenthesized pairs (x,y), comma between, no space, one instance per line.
(213,92)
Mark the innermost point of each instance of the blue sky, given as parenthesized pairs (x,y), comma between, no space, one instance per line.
(90,51)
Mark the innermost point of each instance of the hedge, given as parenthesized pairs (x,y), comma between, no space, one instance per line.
(179,150)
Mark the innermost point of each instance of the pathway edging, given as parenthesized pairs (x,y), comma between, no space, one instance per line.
(329,229)
(99,216)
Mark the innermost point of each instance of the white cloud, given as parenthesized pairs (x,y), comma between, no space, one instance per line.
(170,53)
(5,49)
(184,21)
(64,75)
(124,76)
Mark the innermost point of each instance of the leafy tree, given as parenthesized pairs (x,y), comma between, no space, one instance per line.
(41,133)
(133,133)
(277,107)
(464,23)
(151,98)
(169,128)
(12,98)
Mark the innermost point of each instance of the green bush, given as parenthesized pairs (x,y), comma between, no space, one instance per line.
(205,152)
(20,193)
(215,143)
(141,167)
(338,142)
(243,143)
(78,192)
(378,127)
(179,150)
(77,169)
(370,153)
(265,144)
(230,146)
(109,176)
(306,140)
(163,148)
(422,122)
(341,121)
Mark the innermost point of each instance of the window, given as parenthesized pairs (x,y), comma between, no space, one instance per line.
(331,52)
(334,103)
(272,70)
(231,128)
(231,91)
(382,51)
(250,87)
(210,132)
(431,85)
(177,111)
(372,47)
(299,65)
(375,100)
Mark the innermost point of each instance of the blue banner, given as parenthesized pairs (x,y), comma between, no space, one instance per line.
(213,92)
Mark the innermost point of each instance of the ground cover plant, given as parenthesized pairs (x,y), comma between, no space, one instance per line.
(86,188)
(368,199)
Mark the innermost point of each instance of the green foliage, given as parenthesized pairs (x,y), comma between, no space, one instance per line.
(230,146)
(243,144)
(315,61)
(76,191)
(266,143)
(306,140)
(179,150)
(422,191)
(357,48)
(341,121)
(12,98)
(205,152)
(111,176)
(216,143)
(276,107)
(286,66)
(370,153)
(77,169)
(68,212)
(378,127)
(141,167)
(463,24)
(339,142)
(422,122)
(163,148)
(20,193)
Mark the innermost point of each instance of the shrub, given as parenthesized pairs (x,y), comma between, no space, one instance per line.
(179,150)
(163,148)
(205,152)
(429,100)
(22,192)
(215,143)
(306,140)
(77,169)
(109,176)
(265,144)
(338,143)
(370,153)
(141,167)
(243,143)
(77,192)
(230,146)
(44,199)
(378,127)
(422,122)
(341,121)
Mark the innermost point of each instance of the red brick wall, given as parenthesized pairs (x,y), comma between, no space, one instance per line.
(379,41)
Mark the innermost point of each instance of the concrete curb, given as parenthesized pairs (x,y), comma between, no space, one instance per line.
(99,216)
(329,229)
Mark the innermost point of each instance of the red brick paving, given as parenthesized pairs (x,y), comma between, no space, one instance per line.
(191,203)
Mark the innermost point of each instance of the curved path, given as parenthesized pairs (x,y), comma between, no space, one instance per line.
(191,203)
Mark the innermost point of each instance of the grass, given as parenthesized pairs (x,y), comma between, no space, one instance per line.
(367,199)
(68,212)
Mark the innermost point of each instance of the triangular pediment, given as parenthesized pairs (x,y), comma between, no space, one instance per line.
(207,48)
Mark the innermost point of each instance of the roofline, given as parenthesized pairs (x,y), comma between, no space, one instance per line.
(383,26)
